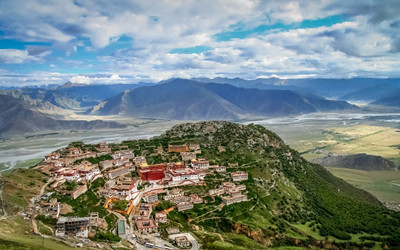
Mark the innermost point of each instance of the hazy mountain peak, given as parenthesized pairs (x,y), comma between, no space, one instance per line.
(72,84)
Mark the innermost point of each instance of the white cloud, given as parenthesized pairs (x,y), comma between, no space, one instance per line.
(9,56)
(10,79)
(80,79)
(367,44)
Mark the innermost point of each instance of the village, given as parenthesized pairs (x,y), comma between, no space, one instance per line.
(139,194)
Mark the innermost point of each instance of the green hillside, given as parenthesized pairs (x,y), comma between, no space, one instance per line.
(285,191)
(291,202)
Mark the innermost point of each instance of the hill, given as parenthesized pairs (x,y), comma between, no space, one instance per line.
(190,100)
(393,101)
(284,190)
(373,93)
(18,118)
(290,202)
(357,161)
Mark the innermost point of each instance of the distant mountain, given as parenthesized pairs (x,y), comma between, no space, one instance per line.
(178,99)
(72,95)
(81,96)
(18,118)
(373,93)
(357,161)
(393,101)
(330,88)
(187,99)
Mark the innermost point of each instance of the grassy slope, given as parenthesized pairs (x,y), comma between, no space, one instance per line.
(338,209)
(19,186)
(15,234)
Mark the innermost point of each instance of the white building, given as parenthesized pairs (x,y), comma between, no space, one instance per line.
(200,164)
(179,174)
(87,171)
(123,154)
(188,156)
(239,176)
(220,169)
(126,189)
(68,174)
(171,194)
(118,172)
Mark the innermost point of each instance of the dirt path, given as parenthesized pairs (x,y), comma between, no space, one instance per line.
(33,199)
(219,207)
(48,227)
(35,226)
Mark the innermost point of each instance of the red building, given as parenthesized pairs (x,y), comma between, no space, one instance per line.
(153,172)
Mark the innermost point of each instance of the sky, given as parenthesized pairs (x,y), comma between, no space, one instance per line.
(112,41)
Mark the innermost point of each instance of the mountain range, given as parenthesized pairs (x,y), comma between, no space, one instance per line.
(190,100)
(71,95)
(84,96)
(371,94)
(195,99)
(329,88)
(393,101)
(18,117)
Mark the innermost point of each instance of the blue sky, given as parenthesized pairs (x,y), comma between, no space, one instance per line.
(51,42)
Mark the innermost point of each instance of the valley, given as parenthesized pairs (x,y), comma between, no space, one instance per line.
(314,126)
(218,125)
(314,135)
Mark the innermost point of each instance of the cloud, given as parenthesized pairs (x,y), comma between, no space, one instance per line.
(85,35)
(38,78)
(15,56)
(80,79)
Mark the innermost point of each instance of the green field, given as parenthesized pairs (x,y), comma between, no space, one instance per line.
(385,185)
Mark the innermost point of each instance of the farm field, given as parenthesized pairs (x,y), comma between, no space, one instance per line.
(373,140)
(384,185)
(350,139)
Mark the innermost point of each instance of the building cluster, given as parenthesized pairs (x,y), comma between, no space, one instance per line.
(123,159)
(229,192)
(123,189)
(130,178)
(103,149)
(180,200)
(50,208)
(84,171)
(71,164)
